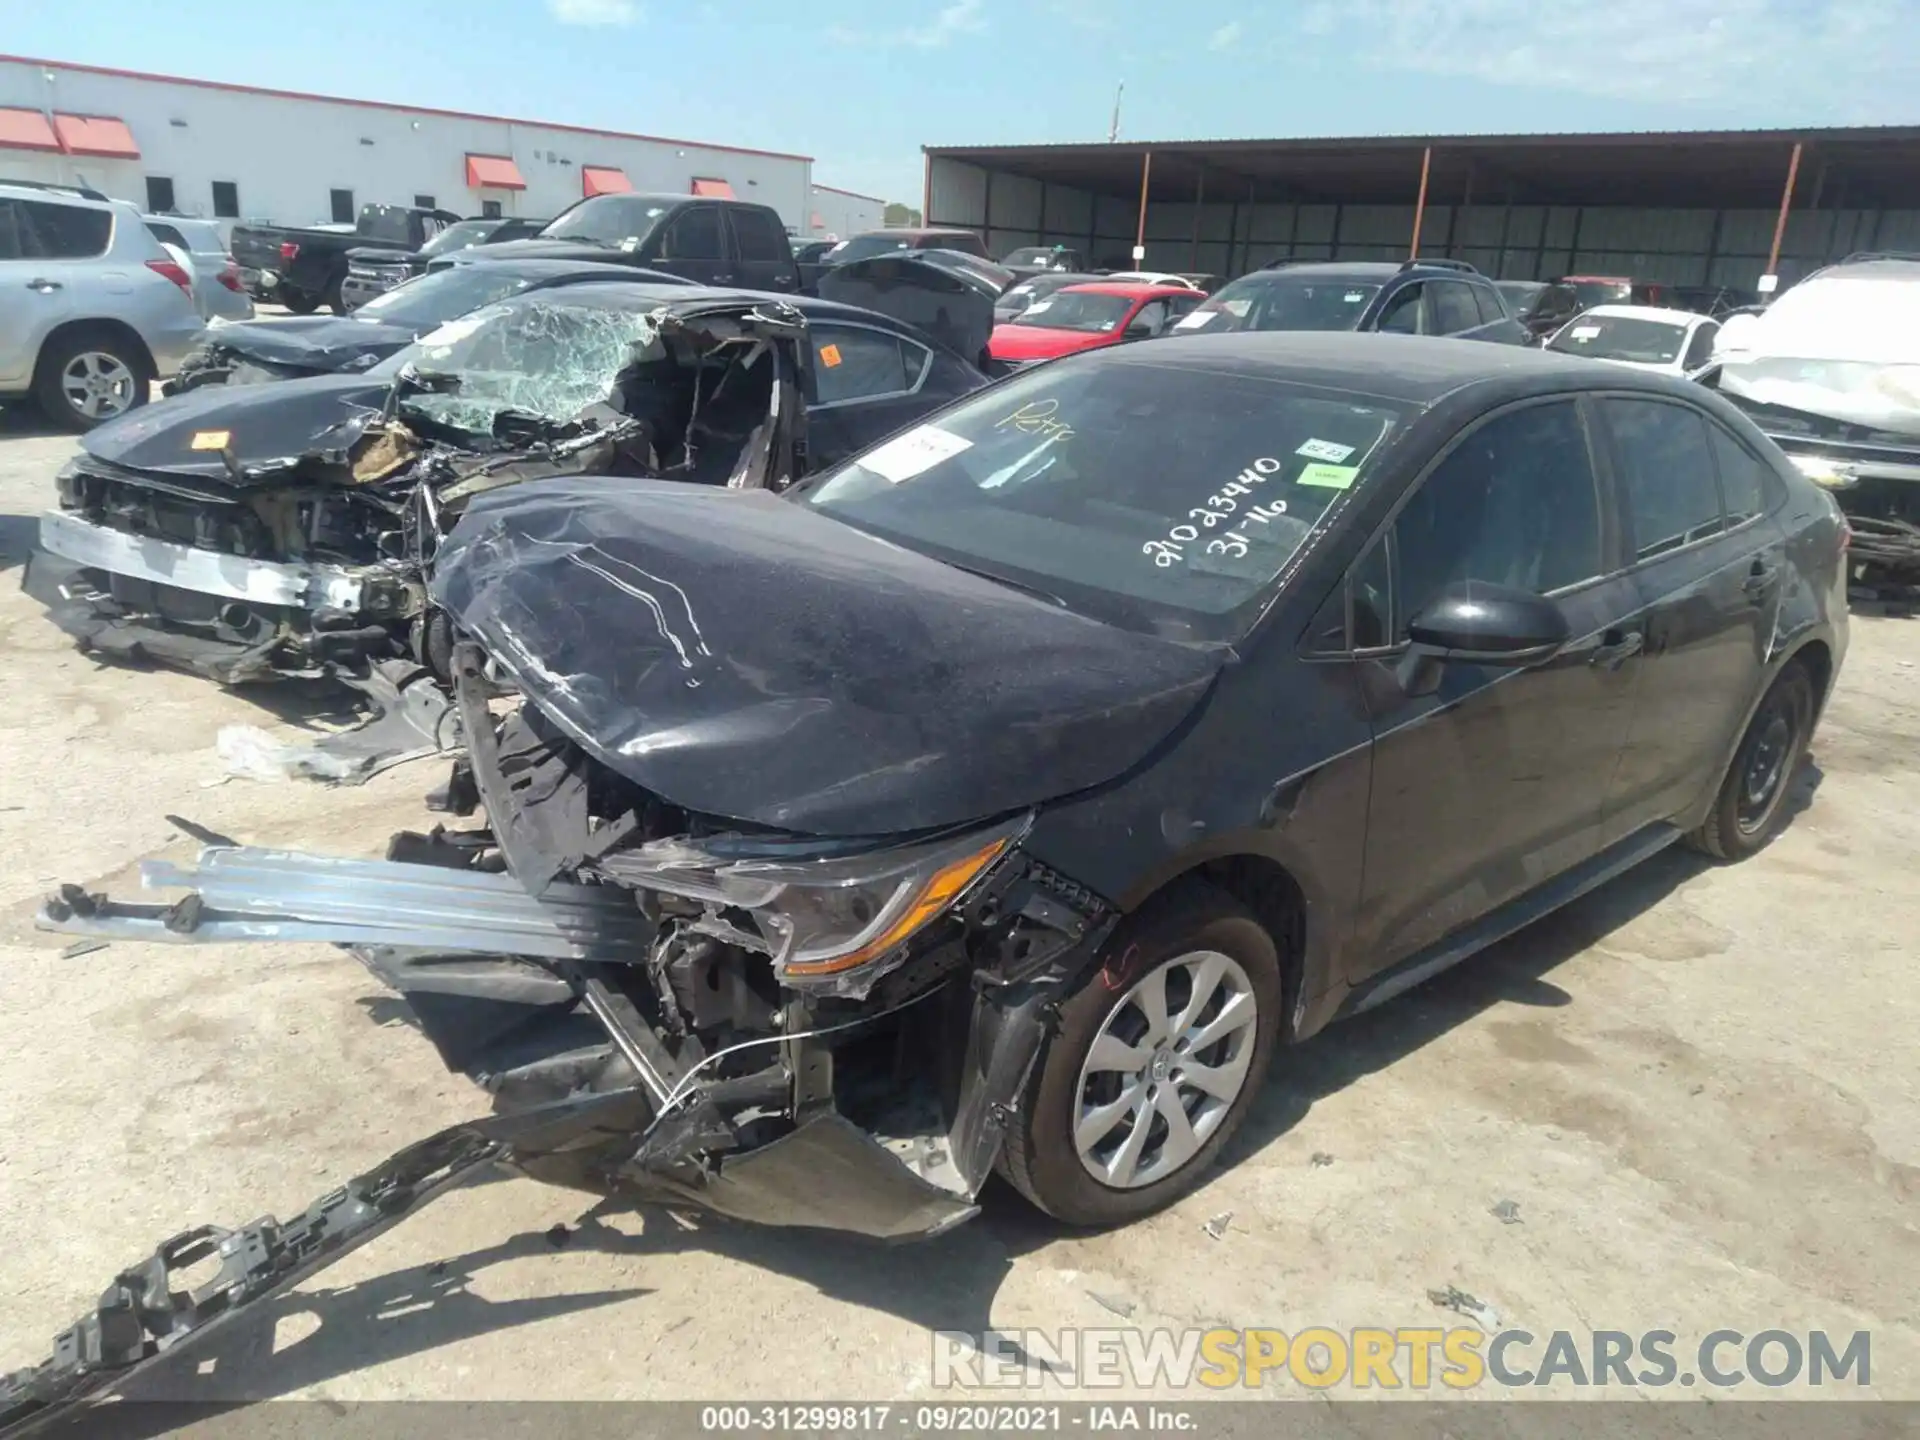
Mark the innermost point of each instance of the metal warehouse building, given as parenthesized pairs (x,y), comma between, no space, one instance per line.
(234,152)
(1701,208)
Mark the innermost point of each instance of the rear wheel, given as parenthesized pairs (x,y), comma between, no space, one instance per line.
(1751,807)
(1157,1058)
(298,301)
(333,299)
(89,378)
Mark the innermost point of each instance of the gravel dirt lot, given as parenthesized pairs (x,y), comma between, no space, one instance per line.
(1700,1086)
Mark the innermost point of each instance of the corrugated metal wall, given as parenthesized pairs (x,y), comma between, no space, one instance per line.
(1519,242)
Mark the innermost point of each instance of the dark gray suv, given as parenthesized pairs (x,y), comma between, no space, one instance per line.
(1415,297)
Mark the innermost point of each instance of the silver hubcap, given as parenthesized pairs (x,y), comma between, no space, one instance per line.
(97,385)
(1169,1061)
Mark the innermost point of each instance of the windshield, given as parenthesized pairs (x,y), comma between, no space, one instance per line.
(535,355)
(1597,292)
(1621,337)
(434,299)
(1283,302)
(1087,312)
(618,220)
(458,236)
(865,247)
(1151,496)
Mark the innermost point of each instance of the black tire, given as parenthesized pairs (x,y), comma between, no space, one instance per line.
(332,298)
(1751,806)
(50,380)
(1040,1157)
(299,302)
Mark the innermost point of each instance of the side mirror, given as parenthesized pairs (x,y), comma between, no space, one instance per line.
(1481,624)
(1138,330)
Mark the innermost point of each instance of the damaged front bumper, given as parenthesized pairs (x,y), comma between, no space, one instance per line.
(534,999)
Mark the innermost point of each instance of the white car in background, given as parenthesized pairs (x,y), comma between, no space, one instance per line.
(92,308)
(1645,337)
(202,250)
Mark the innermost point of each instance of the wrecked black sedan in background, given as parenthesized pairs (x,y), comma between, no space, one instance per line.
(287,349)
(269,530)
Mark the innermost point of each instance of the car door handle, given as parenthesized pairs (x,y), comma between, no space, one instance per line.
(1617,647)
(1759,581)
(44,286)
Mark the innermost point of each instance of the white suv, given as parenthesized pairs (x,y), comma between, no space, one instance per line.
(92,308)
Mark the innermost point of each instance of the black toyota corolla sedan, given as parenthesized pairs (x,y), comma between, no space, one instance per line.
(1006,794)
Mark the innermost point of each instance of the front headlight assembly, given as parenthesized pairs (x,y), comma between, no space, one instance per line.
(830,922)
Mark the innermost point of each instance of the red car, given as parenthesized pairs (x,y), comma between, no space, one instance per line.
(1088,317)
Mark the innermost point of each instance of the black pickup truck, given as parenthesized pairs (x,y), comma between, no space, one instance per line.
(373,270)
(302,269)
(733,243)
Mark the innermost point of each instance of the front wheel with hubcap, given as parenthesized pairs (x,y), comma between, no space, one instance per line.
(1751,806)
(87,380)
(1157,1058)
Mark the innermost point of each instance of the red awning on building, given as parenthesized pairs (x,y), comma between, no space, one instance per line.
(604,180)
(26,130)
(493,172)
(712,189)
(99,135)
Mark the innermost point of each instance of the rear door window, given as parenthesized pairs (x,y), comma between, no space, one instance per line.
(1492,309)
(758,235)
(167,235)
(1667,473)
(64,232)
(852,364)
(12,245)
(1454,308)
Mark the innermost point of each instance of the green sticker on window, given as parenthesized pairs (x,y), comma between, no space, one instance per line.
(1328,477)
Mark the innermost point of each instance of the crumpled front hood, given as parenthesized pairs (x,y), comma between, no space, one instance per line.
(1842,346)
(744,656)
(320,343)
(261,422)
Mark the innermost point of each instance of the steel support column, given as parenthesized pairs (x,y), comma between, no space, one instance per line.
(1199,200)
(1140,231)
(1420,205)
(1786,203)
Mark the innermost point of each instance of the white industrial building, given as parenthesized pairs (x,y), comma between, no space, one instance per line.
(241,153)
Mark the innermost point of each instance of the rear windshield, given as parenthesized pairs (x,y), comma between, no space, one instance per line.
(1087,312)
(1620,337)
(458,236)
(437,298)
(616,221)
(1150,496)
(865,247)
(383,222)
(1283,302)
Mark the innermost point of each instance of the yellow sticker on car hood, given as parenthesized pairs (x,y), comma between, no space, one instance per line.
(211,439)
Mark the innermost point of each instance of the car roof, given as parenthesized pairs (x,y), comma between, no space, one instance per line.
(1411,369)
(539,267)
(1374,270)
(1129,289)
(908,233)
(642,295)
(1660,313)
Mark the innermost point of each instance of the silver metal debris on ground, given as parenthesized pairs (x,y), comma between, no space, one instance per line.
(1217,1226)
(83,947)
(254,894)
(1507,1212)
(1119,1305)
(1460,1302)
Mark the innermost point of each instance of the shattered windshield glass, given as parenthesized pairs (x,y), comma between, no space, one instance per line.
(534,356)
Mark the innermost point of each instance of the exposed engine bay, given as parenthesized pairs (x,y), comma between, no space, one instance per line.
(289,529)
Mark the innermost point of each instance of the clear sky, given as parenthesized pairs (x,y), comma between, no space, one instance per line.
(862,84)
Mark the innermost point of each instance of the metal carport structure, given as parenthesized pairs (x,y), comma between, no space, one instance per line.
(1686,207)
